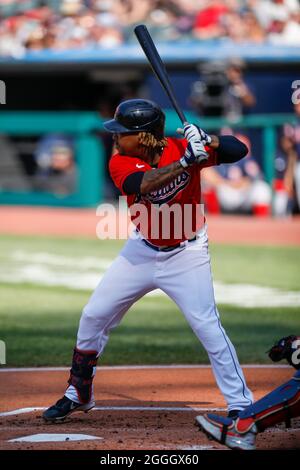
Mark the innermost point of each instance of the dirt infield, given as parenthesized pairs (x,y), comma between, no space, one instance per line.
(136,408)
(82,222)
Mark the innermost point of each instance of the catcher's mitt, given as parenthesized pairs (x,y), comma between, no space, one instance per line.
(286,348)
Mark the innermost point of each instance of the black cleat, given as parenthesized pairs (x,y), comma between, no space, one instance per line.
(63,408)
(233,414)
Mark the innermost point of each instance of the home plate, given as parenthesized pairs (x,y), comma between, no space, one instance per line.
(55,438)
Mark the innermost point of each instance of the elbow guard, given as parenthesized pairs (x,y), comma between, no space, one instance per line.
(230,149)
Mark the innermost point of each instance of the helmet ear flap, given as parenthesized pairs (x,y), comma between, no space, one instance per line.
(159,131)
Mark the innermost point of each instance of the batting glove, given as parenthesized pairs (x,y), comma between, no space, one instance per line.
(193,132)
(194,153)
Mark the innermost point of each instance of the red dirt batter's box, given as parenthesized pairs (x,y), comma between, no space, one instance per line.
(135,391)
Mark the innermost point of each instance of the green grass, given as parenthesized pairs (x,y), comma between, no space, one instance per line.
(74,247)
(39,327)
(39,323)
(274,266)
(265,266)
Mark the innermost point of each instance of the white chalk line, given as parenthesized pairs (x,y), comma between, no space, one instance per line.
(155,408)
(118,408)
(20,411)
(139,367)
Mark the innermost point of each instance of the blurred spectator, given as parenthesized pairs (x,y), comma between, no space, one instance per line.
(56,171)
(283,185)
(222,90)
(132,11)
(239,187)
(254,31)
(69,24)
(240,96)
(269,11)
(285,30)
(234,27)
(208,20)
(288,160)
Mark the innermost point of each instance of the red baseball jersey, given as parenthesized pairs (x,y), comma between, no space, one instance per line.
(172,213)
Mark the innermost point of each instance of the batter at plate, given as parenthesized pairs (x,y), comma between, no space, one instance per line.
(155,171)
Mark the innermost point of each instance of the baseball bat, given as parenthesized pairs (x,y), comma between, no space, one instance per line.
(158,66)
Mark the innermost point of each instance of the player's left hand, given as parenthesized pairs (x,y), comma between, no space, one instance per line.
(192,132)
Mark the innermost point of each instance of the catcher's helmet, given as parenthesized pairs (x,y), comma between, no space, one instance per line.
(137,116)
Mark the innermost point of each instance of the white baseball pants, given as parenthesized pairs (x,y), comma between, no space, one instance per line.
(184,274)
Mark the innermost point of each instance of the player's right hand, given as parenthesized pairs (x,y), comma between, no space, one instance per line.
(194,153)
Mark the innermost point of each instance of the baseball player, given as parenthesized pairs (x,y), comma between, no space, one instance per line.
(280,405)
(157,172)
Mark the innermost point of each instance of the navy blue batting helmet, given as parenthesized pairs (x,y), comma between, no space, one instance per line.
(137,115)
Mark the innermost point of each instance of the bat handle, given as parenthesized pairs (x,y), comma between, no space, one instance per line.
(184,123)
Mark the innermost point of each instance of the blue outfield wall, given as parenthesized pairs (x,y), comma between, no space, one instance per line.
(273,91)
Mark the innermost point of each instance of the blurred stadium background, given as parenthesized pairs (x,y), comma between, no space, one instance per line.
(64,66)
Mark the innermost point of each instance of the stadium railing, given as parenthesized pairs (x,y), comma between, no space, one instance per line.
(90,153)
